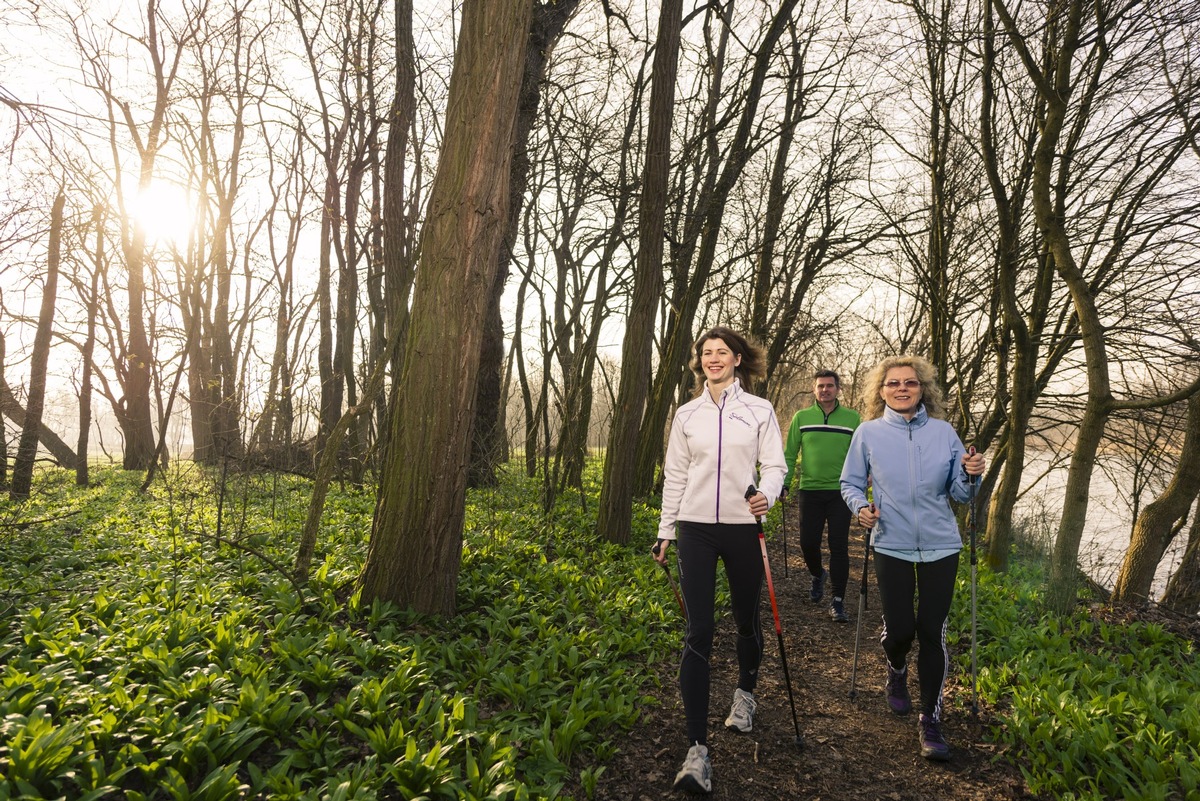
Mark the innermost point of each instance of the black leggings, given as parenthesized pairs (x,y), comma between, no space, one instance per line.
(816,508)
(932,584)
(698,548)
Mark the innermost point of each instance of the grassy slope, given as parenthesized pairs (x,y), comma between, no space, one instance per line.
(138,655)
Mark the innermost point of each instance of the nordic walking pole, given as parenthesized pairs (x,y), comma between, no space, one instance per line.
(862,607)
(670,579)
(971,527)
(762,544)
(783,512)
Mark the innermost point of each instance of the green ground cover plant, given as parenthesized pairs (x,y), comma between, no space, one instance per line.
(1088,709)
(142,657)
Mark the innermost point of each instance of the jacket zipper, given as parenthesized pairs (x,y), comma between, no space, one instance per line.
(912,486)
(720,443)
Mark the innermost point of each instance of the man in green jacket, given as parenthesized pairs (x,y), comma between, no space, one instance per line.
(820,437)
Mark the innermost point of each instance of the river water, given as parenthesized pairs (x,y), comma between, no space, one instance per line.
(1109,521)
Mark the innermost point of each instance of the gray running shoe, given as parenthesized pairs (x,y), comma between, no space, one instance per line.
(741,714)
(696,774)
(837,611)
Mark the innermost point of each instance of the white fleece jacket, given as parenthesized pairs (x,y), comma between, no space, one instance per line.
(712,455)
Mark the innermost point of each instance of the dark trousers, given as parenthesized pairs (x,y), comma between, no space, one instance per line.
(818,507)
(697,550)
(931,586)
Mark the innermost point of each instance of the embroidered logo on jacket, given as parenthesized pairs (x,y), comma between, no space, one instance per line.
(740,419)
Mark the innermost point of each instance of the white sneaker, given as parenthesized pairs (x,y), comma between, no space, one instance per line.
(741,714)
(696,774)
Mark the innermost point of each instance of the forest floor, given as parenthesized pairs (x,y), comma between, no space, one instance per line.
(853,749)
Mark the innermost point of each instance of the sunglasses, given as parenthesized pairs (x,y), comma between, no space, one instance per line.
(908,383)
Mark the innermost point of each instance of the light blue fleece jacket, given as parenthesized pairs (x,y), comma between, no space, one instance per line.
(915,467)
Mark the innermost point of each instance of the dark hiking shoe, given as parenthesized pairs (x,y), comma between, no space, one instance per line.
(897,690)
(818,587)
(933,744)
(837,611)
(696,774)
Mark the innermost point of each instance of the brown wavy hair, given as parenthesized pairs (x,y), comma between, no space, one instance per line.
(932,397)
(753,365)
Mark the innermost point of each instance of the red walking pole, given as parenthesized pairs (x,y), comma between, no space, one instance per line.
(762,543)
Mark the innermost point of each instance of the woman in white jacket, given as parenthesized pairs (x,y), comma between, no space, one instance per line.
(721,442)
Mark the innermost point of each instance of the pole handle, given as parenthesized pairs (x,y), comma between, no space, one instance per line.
(750,492)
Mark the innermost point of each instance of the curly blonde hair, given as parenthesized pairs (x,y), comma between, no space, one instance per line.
(932,396)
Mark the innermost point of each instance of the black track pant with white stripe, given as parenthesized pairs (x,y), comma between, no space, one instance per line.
(916,599)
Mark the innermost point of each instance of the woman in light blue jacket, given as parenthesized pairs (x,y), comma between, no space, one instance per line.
(914,463)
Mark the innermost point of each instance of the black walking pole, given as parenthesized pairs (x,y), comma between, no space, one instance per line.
(862,607)
(762,544)
(670,579)
(971,526)
(783,504)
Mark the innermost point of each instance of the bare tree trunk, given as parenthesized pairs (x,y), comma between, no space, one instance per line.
(11,408)
(327,464)
(672,366)
(274,428)
(615,518)
(135,361)
(416,540)
(531,414)
(22,478)
(1155,526)
(1071,86)
(92,302)
(1055,87)
(935,275)
(777,195)
(1024,329)
(573,437)
(227,430)
(398,230)
(1183,590)
(330,404)
(549,21)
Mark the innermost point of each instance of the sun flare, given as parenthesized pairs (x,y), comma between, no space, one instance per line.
(165,211)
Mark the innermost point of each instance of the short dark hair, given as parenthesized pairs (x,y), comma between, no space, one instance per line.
(837,380)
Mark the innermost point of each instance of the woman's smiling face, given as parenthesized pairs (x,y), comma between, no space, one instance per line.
(718,362)
(901,390)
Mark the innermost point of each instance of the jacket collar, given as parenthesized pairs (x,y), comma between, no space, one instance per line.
(897,419)
(730,391)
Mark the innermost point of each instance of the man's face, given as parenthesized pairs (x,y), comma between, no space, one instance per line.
(826,389)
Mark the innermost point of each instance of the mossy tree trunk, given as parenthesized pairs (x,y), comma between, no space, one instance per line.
(416,539)
(1155,527)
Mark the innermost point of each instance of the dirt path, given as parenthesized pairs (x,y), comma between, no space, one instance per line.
(854,750)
